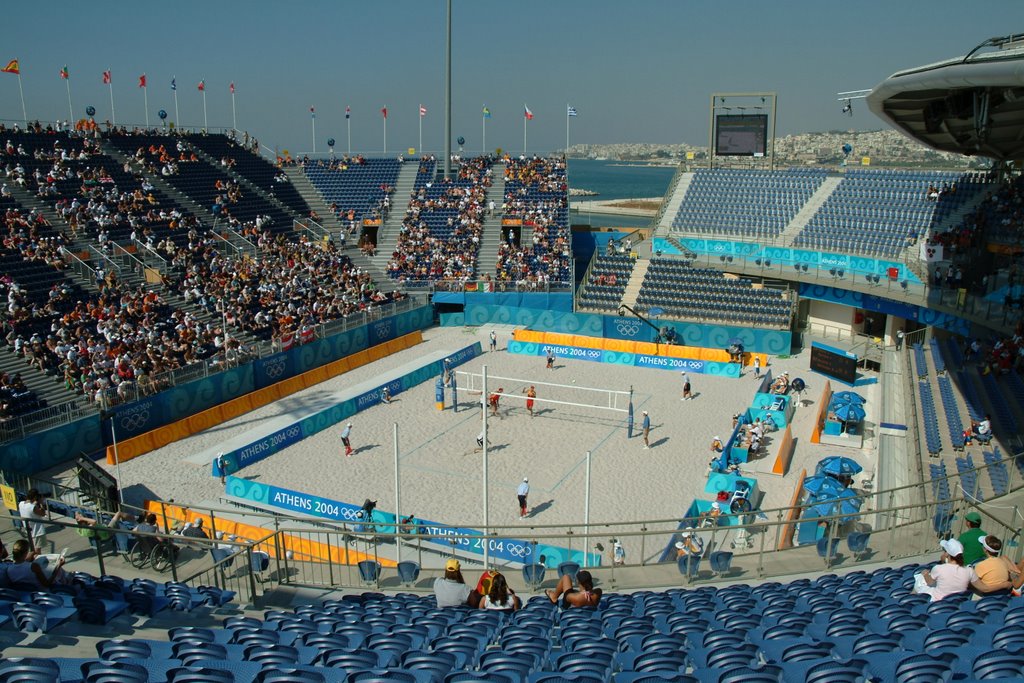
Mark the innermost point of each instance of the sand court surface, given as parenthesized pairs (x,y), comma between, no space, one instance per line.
(440,471)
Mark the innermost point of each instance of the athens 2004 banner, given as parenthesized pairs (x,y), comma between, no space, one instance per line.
(511,550)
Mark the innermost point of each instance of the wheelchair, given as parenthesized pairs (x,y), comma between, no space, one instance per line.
(158,554)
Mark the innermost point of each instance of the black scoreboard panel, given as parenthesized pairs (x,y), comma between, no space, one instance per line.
(838,365)
(741,135)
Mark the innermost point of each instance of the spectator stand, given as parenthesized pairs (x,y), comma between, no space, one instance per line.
(536,246)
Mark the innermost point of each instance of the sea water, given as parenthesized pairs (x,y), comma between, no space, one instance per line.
(618,179)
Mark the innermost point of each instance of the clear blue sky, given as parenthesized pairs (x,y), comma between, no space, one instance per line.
(636,71)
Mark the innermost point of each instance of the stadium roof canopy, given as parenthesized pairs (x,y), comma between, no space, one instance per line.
(971,105)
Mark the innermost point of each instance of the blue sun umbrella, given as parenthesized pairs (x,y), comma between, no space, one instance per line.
(845,503)
(821,485)
(849,412)
(848,397)
(838,465)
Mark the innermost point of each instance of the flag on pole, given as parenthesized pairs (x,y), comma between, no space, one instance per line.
(423,111)
(106,77)
(202,85)
(384,111)
(64,73)
(174,83)
(142,81)
(232,88)
(487,113)
(528,114)
(12,67)
(348,112)
(571,111)
(312,112)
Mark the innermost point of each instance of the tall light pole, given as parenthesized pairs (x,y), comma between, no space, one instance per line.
(448,95)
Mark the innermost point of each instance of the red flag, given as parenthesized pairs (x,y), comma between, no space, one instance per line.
(64,73)
(106,77)
(12,67)
(528,114)
(232,88)
(423,111)
(384,111)
(202,85)
(142,81)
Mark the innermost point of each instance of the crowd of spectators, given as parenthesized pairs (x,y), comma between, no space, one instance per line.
(440,235)
(536,194)
(290,289)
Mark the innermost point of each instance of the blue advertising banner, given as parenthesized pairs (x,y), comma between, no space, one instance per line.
(510,550)
(44,450)
(755,340)
(268,445)
(273,369)
(638,360)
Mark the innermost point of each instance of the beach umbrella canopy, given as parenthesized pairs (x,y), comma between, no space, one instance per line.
(838,465)
(846,502)
(849,412)
(797,385)
(848,397)
(821,485)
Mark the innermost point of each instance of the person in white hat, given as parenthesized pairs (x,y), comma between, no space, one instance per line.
(522,492)
(346,434)
(689,544)
(949,576)
(494,340)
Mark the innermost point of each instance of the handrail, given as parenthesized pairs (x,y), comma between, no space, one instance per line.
(240,236)
(149,252)
(669,192)
(134,263)
(106,259)
(80,267)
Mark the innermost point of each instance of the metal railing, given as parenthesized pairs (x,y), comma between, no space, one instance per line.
(80,267)
(322,553)
(128,261)
(150,257)
(483,286)
(40,420)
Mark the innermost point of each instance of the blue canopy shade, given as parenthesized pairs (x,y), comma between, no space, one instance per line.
(848,397)
(846,502)
(849,412)
(838,465)
(821,485)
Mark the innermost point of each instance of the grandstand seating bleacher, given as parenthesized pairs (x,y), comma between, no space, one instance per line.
(356,186)
(607,282)
(685,292)
(882,212)
(745,204)
(536,192)
(856,627)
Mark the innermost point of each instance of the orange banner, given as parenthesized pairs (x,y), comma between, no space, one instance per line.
(229,410)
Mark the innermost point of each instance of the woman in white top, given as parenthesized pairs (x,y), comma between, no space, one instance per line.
(949,576)
(500,598)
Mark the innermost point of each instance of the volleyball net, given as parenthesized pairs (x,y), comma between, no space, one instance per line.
(547,392)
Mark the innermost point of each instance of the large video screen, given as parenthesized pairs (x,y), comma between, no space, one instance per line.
(741,135)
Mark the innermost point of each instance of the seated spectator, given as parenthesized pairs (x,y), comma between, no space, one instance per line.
(451,589)
(500,597)
(949,576)
(31,569)
(195,529)
(94,529)
(690,545)
(585,596)
(971,538)
(995,573)
(716,445)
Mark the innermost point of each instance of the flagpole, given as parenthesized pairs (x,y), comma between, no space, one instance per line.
(421,129)
(313,119)
(113,114)
(145,103)
(234,121)
(71,111)
(177,117)
(566,129)
(483,124)
(348,125)
(24,113)
(206,125)
(385,131)
(525,119)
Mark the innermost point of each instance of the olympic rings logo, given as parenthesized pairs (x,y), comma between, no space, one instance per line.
(135,420)
(275,369)
(516,550)
(382,328)
(627,328)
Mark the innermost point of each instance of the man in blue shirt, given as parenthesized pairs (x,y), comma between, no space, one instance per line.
(646,426)
(522,492)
